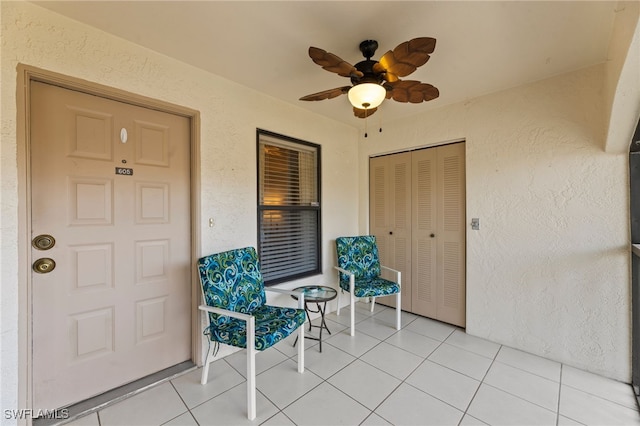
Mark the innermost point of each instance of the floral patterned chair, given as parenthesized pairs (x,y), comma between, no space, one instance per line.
(359,273)
(234,293)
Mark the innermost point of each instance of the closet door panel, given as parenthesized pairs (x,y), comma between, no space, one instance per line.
(451,292)
(379,216)
(424,221)
(390,221)
(400,233)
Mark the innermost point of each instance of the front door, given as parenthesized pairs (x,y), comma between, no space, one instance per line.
(110,201)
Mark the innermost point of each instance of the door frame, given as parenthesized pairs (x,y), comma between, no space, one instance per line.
(26,75)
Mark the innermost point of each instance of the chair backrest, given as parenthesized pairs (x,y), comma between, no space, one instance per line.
(232,280)
(358,255)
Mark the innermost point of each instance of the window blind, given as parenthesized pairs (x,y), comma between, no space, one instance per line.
(289,209)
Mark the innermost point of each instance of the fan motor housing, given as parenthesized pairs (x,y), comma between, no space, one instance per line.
(368,48)
(366,67)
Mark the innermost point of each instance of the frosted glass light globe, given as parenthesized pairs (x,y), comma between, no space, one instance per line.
(366,95)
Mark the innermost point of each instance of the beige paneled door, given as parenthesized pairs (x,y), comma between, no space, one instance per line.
(417,212)
(110,199)
(390,211)
(438,243)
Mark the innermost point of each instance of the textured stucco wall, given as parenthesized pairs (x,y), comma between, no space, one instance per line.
(230,115)
(622,77)
(548,271)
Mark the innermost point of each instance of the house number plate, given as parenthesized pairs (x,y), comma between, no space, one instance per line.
(124,171)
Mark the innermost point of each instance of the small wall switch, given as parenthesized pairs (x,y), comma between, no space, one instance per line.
(475,223)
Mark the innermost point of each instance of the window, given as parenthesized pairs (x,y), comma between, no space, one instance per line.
(288,207)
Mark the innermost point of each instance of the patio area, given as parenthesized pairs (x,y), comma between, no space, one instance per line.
(428,373)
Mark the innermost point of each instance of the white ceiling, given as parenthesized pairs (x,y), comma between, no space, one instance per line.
(482,46)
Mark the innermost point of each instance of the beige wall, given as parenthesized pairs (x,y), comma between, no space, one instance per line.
(548,271)
(230,115)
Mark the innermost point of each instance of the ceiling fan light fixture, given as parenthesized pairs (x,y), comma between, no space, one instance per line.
(367,95)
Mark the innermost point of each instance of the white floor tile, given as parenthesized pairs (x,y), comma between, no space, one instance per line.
(279,420)
(468,420)
(264,360)
(445,384)
(565,421)
(465,362)
(90,420)
(497,407)
(328,362)
(355,345)
(473,344)
(221,378)
(345,316)
(431,328)
(375,420)
(395,361)
(334,327)
(326,405)
(230,408)
(589,409)
(535,389)
(364,383)
(389,316)
(286,346)
(532,363)
(151,407)
(283,384)
(415,343)
(410,406)
(185,419)
(376,327)
(612,390)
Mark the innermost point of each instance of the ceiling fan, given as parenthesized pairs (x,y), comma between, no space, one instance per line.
(373,81)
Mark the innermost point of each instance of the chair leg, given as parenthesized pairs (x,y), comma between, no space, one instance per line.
(353,315)
(373,303)
(339,298)
(251,368)
(205,367)
(398,310)
(301,349)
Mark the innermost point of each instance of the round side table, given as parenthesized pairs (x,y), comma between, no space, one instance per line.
(319,295)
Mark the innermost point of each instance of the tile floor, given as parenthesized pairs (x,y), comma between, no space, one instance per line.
(428,373)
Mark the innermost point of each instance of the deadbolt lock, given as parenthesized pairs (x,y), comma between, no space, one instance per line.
(43,242)
(44,265)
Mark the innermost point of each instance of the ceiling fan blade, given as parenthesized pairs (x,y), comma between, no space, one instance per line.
(405,58)
(363,113)
(333,63)
(412,91)
(326,94)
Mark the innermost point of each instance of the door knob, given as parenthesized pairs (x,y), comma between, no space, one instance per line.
(43,242)
(44,265)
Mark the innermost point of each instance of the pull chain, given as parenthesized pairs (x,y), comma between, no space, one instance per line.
(365,123)
(366,111)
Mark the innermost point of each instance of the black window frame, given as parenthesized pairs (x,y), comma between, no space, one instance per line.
(316,209)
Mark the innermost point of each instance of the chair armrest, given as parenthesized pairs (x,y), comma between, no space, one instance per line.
(298,293)
(398,273)
(389,269)
(344,271)
(221,311)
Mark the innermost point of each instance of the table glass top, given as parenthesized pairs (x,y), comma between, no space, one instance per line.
(317,293)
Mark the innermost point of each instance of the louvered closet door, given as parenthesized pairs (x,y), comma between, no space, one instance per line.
(425,201)
(450,236)
(390,211)
(417,213)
